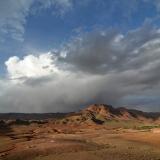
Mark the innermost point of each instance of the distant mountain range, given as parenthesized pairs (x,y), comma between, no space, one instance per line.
(96,113)
(31,116)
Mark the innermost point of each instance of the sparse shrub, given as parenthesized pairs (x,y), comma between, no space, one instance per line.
(148,127)
(77,119)
(21,122)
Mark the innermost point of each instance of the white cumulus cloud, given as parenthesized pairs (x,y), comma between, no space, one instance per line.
(31,66)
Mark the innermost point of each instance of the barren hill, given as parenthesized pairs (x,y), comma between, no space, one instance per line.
(101,113)
(92,114)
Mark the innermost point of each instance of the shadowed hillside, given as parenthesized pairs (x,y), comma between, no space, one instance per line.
(102,113)
(96,113)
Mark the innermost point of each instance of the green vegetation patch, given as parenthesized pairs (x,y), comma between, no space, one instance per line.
(148,127)
(126,124)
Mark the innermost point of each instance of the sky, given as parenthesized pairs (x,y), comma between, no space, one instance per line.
(62,55)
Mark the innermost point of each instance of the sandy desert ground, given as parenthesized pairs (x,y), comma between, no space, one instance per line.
(70,142)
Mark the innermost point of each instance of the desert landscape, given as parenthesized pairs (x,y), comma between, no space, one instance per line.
(98,132)
(79,79)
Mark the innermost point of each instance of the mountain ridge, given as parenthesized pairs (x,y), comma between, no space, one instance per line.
(97,113)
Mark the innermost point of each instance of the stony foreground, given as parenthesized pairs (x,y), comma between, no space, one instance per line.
(70,142)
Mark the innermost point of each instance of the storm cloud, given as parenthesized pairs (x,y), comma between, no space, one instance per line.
(102,66)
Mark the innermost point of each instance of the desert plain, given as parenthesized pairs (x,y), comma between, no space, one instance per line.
(96,133)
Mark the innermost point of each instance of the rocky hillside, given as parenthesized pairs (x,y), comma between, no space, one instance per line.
(101,113)
(93,114)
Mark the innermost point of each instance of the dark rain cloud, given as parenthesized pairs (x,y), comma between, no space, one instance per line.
(99,67)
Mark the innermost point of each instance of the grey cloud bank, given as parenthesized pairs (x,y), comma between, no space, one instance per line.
(102,66)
